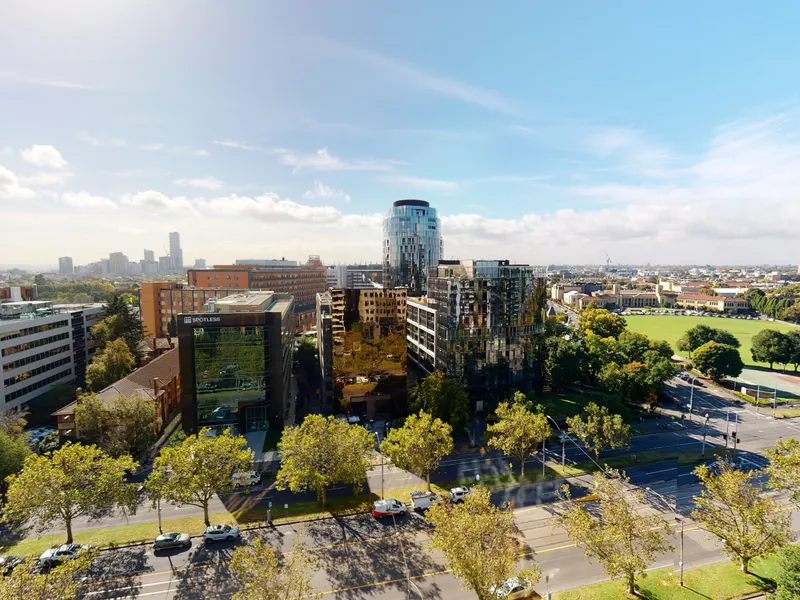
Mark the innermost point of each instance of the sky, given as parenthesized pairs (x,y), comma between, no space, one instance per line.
(543,132)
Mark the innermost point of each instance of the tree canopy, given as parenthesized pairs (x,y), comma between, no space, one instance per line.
(419,445)
(601,322)
(61,582)
(621,539)
(128,425)
(699,335)
(192,472)
(718,360)
(784,467)
(789,575)
(732,507)
(74,481)
(112,364)
(598,429)
(263,574)
(518,431)
(443,398)
(771,346)
(321,452)
(480,542)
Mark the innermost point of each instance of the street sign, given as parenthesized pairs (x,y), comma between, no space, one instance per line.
(270,504)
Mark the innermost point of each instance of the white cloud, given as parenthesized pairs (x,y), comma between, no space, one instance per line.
(237,144)
(406,75)
(323,160)
(161,147)
(86,200)
(101,142)
(45,179)
(44,156)
(272,208)
(631,151)
(153,199)
(205,183)
(419,182)
(56,83)
(320,190)
(10,186)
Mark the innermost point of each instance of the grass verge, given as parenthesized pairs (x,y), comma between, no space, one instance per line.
(719,581)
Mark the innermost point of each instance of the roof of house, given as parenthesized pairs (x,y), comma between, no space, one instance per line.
(700,297)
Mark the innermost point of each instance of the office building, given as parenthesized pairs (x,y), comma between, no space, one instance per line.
(325,343)
(476,324)
(175,251)
(65,266)
(18,293)
(164,265)
(376,309)
(303,282)
(236,363)
(412,242)
(149,256)
(258,262)
(355,276)
(43,344)
(117,264)
(199,263)
(159,301)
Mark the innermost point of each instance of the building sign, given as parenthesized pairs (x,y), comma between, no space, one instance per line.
(191,320)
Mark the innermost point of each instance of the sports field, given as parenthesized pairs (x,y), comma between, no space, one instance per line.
(670,328)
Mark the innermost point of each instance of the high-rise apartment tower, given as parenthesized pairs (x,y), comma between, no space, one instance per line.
(412,242)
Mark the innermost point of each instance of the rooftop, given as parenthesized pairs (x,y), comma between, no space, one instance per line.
(411,203)
(16,312)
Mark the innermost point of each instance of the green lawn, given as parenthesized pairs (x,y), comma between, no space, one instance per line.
(670,328)
(718,581)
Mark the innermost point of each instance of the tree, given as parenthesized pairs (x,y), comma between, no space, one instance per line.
(793,338)
(13,451)
(132,329)
(110,365)
(193,472)
(419,445)
(699,335)
(74,481)
(321,452)
(562,364)
(770,346)
(733,508)
(792,313)
(789,575)
(443,398)
(263,575)
(599,429)
(784,467)
(172,327)
(39,280)
(633,345)
(621,539)
(128,425)
(93,419)
(480,542)
(518,431)
(109,329)
(718,360)
(599,321)
(61,582)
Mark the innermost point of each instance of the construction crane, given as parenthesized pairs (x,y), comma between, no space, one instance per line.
(608,261)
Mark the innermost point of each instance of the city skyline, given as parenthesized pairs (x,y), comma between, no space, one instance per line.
(566,132)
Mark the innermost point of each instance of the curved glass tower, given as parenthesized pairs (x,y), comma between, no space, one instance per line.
(412,242)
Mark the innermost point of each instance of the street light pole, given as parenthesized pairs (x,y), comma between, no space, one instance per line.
(691,398)
(543,459)
(679,518)
(563,450)
(375,433)
(705,431)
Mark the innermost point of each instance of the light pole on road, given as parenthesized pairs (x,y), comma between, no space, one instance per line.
(705,430)
(691,397)
(377,444)
(679,517)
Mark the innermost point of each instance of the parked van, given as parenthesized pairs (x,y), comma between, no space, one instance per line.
(246,479)
(421,501)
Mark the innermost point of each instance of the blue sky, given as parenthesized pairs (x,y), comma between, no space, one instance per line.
(543,132)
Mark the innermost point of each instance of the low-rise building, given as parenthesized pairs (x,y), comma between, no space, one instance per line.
(43,344)
(716,303)
(620,298)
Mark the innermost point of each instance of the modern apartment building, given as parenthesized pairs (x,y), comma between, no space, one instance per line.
(325,343)
(42,344)
(303,282)
(236,363)
(412,242)
(476,324)
(159,301)
(117,263)
(355,276)
(382,307)
(65,266)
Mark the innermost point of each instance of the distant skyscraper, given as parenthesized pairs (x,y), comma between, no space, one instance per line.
(164,264)
(117,263)
(199,263)
(412,242)
(149,256)
(65,266)
(175,252)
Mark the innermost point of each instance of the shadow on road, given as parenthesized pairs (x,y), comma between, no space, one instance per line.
(118,573)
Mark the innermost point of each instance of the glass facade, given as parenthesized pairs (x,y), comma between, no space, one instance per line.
(412,242)
(232,379)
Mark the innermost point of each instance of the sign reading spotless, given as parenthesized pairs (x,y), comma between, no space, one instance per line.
(191,320)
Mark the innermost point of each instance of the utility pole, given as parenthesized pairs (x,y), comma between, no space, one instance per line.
(543,459)
(691,399)
(563,450)
(736,431)
(375,433)
(705,431)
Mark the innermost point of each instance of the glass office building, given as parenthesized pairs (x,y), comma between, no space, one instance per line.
(412,242)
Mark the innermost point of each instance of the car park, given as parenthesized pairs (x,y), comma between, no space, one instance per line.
(422,501)
(514,589)
(388,508)
(246,478)
(458,494)
(61,553)
(168,541)
(219,533)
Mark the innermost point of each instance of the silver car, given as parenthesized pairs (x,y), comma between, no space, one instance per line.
(172,540)
(218,533)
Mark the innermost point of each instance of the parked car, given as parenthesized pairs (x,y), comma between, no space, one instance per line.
(514,589)
(61,553)
(458,494)
(422,501)
(388,508)
(166,541)
(246,478)
(218,533)
(9,563)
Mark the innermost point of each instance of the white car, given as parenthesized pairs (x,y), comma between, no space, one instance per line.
(388,508)
(514,589)
(457,494)
(219,533)
(246,478)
